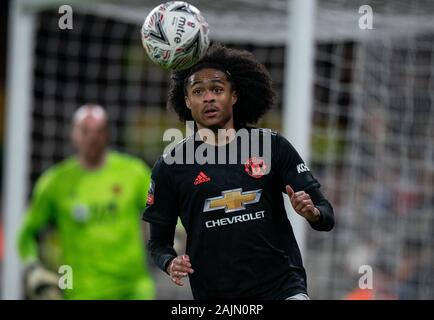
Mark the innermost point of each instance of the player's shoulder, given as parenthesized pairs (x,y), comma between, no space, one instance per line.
(278,141)
(57,172)
(165,162)
(130,162)
(177,147)
(263,131)
(174,152)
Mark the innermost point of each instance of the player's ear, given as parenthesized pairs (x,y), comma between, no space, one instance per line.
(187,102)
(234,97)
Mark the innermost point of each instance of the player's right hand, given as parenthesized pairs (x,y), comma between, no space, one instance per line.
(179,268)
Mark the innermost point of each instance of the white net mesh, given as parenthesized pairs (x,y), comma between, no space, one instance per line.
(372,125)
(373,131)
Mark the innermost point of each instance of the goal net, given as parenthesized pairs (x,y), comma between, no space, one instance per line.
(372,146)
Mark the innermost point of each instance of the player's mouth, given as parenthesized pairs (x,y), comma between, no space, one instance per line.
(210,111)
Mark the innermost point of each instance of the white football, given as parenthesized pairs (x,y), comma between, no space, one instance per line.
(175,35)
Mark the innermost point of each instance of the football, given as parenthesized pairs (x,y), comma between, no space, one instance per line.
(175,35)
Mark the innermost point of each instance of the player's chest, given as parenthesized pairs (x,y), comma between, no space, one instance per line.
(211,178)
(92,199)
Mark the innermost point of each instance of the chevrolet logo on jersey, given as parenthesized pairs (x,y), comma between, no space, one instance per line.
(232,200)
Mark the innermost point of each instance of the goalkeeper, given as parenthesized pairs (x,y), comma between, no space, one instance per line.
(93,200)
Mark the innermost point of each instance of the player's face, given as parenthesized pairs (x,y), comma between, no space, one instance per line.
(210,98)
(90,137)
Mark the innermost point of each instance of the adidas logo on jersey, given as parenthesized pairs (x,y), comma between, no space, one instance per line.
(201,178)
(302,168)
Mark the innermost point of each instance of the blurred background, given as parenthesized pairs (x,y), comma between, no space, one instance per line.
(371,123)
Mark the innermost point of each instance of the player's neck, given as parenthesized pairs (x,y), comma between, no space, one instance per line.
(93,163)
(220,136)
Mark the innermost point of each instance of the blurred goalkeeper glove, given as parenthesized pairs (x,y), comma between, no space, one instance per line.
(42,284)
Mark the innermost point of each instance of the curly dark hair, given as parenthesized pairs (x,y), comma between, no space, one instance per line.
(251,80)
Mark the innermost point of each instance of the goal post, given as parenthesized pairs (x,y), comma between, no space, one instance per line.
(297,108)
(19,102)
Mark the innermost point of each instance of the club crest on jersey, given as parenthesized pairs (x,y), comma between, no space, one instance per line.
(116,189)
(255,167)
(232,200)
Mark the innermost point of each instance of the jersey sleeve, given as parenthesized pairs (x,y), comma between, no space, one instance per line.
(144,184)
(162,203)
(38,216)
(291,168)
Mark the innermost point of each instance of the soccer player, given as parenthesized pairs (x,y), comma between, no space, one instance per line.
(240,243)
(94,201)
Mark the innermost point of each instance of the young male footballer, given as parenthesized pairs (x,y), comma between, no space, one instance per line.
(240,243)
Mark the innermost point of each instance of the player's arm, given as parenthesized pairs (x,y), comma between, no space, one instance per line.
(144,174)
(40,282)
(160,244)
(302,188)
(37,217)
(161,213)
(162,251)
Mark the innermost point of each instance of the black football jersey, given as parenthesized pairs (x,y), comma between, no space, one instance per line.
(239,239)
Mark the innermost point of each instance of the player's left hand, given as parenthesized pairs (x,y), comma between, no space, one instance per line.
(303,205)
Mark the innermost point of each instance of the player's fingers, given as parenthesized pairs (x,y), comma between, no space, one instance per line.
(174,264)
(300,204)
(176,275)
(182,261)
(304,199)
(179,262)
(181,268)
(307,202)
(301,196)
(185,263)
(299,193)
(180,274)
(295,197)
(182,264)
(308,208)
(296,201)
(185,257)
(176,268)
(289,191)
(299,207)
(177,281)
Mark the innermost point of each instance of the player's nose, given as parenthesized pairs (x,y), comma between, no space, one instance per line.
(208,96)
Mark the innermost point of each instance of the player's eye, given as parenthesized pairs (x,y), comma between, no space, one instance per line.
(218,90)
(197,92)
